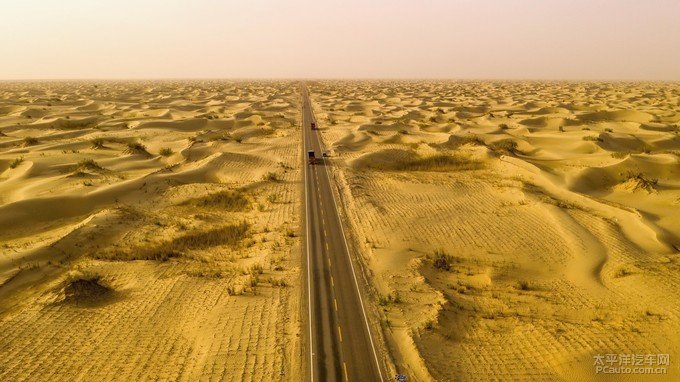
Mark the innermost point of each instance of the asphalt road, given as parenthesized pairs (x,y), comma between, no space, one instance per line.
(342,348)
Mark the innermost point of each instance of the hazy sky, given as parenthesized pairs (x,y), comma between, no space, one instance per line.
(461,39)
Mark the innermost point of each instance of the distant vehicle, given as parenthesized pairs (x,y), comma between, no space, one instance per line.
(313,125)
(324,154)
(311,157)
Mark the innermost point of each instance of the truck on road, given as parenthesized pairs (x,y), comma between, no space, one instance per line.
(311,157)
(313,125)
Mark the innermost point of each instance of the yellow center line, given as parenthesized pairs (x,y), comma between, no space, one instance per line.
(340,333)
(332,284)
(336,304)
(329,262)
(344,367)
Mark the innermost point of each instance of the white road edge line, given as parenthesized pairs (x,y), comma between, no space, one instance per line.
(342,229)
(309,264)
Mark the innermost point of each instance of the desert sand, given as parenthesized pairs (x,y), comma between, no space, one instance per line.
(512,230)
(149,231)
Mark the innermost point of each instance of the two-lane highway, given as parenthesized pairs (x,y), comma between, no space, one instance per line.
(341,345)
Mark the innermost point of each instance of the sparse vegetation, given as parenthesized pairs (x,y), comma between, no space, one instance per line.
(271,177)
(620,154)
(85,288)
(97,143)
(440,162)
(524,285)
(623,272)
(390,298)
(229,235)
(136,148)
(442,260)
(225,200)
(16,162)
(505,146)
(429,325)
(88,164)
(642,182)
(166,152)
(30,141)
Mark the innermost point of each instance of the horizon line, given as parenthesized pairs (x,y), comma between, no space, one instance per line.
(481,79)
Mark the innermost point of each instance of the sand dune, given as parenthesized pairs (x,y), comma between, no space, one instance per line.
(512,230)
(148,231)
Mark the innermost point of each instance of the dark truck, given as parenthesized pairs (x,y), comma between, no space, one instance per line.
(313,125)
(311,157)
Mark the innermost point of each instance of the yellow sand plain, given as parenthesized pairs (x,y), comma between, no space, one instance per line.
(513,230)
(149,231)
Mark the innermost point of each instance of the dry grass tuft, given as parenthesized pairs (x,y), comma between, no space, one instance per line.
(226,200)
(229,235)
(88,164)
(136,148)
(29,141)
(442,260)
(166,152)
(97,143)
(16,162)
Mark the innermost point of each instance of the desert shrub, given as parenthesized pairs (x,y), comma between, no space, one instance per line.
(88,164)
(136,148)
(226,200)
(97,143)
(166,151)
(85,287)
(390,298)
(620,154)
(30,141)
(271,177)
(16,162)
(279,283)
(523,285)
(442,260)
(503,126)
(506,146)
(591,138)
(642,182)
(623,272)
(429,325)
(256,269)
(609,130)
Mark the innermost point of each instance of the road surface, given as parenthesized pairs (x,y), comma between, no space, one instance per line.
(341,346)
